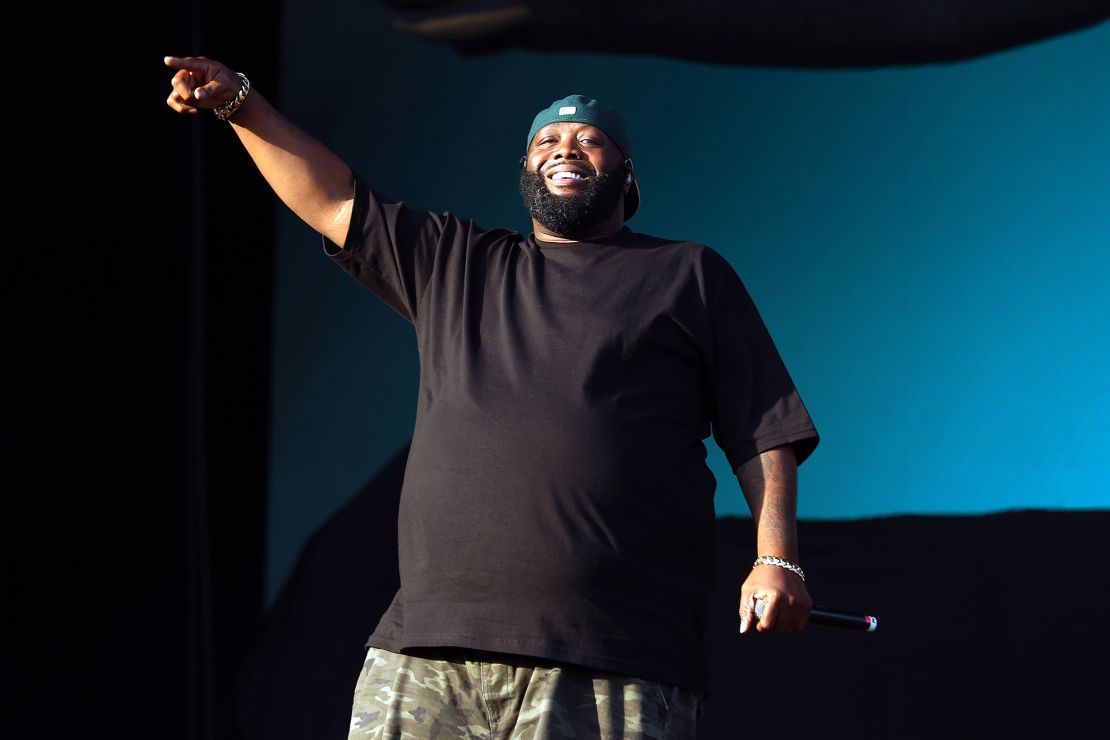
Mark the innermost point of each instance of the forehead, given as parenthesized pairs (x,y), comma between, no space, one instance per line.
(562,128)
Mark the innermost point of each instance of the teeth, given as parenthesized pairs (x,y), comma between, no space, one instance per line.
(567,176)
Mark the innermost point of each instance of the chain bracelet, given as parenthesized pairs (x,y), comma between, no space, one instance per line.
(772,560)
(224,111)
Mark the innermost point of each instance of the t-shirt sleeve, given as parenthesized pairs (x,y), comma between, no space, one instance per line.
(755,403)
(390,248)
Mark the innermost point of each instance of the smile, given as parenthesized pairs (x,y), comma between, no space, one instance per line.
(566,173)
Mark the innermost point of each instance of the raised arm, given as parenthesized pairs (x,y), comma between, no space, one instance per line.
(307,176)
(770,485)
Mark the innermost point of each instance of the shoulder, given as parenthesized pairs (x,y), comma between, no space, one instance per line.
(678,249)
(686,247)
(706,263)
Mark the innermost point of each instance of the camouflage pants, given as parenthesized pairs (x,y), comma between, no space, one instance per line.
(455,693)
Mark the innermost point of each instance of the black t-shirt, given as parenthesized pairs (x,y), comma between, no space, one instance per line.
(556,500)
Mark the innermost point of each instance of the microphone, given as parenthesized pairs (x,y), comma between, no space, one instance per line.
(826,617)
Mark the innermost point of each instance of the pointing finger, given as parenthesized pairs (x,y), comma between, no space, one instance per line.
(195,64)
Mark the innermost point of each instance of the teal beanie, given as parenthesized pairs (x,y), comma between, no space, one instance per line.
(580,109)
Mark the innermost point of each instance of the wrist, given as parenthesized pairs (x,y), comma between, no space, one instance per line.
(778,562)
(226,110)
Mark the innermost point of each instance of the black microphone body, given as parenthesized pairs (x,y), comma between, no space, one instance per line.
(823,616)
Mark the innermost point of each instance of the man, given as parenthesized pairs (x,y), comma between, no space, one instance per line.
(556,521)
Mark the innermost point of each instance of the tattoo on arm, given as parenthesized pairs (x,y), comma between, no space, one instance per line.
(769,482)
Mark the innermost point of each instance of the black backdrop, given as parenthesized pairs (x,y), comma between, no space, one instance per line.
(139,296)
(139,293)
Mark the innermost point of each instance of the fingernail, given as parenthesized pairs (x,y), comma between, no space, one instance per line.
(743,626)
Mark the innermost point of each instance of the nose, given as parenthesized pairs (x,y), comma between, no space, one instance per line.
(568,148)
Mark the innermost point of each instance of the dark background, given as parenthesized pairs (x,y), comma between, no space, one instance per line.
(139,309)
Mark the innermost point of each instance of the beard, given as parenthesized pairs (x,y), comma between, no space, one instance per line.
(567,215)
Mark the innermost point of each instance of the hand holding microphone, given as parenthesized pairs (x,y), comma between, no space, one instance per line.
(779,596)
(826,617)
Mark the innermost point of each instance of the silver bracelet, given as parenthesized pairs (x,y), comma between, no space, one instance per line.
(772,560)
(224,111)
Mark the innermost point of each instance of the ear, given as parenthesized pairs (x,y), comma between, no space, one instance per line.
(628,173)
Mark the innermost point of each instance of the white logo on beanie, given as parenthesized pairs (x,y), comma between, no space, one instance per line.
(567,110)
